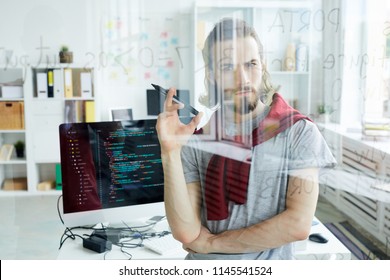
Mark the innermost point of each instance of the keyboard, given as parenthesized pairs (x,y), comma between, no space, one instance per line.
(163,245)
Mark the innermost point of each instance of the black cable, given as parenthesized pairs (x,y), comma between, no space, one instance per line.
(128,244)
(68,234)
(131,233)
(129,255)
(126,253)
(148,226)
(58,209)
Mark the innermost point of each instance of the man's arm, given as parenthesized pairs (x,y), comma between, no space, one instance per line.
(293,224)
(182,201)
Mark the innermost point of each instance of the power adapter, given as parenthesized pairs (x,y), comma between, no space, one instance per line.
(97,244)
(113,235)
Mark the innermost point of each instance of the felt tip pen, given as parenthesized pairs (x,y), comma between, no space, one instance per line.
(176,99)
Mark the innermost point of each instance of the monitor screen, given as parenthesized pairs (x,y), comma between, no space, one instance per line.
(122,114)
(111,172)
(155,102)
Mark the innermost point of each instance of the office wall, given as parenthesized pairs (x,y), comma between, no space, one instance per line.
(131,43)
(143,42)
(34,30)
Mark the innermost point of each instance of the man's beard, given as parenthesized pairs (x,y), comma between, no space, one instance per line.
(247,104)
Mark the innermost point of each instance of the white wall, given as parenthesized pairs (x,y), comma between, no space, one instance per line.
(35,30)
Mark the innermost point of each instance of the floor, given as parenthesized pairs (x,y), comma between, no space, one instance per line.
(327,213)
(31,228)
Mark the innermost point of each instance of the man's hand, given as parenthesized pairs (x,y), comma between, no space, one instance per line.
(172,134)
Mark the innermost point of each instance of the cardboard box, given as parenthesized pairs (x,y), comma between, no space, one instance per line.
(15,184)
(12,115)
(46,186)
(11,92)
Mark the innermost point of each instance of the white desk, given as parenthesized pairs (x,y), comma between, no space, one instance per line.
(73,249)
(331,250)
(334,249)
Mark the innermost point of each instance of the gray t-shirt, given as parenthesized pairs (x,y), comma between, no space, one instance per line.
(299,146)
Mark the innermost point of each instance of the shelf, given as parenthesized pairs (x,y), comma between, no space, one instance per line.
(4,99)
(12,130)
(64,66)
(48,161)
(13,161)
(79,98)
(52,99)
(29,193)
(42,116)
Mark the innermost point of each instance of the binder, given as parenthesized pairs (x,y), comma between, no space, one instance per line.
(70,111)
(79,110)
(289,60)
(42,85)
(58,83)
(68,84)
(89,111)
(301,58)
(86,84)
(50,83)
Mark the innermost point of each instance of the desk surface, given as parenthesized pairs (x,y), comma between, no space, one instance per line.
(304,250)
(332,250)
(73,249)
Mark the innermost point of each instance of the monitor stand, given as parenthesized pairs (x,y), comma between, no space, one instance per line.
(136,225)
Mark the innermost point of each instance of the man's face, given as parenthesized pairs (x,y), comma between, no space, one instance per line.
(238,73)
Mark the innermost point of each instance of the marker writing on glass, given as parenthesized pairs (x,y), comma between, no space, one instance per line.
(176,99)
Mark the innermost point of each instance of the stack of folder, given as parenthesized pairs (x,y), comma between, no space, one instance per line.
(71,83)
(79,111)
(376,127)
(77,84)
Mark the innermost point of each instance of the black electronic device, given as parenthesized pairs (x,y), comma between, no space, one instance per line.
(112,234)
(318,237)
(97,244)
(156,97)
(122,114)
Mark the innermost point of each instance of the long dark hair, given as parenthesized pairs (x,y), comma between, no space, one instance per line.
(229,29)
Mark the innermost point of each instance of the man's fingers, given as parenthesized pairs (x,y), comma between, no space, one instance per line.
(169,99)
(196,120)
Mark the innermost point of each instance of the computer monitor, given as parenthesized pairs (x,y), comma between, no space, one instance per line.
(111,172)
(121,114)
(155,101)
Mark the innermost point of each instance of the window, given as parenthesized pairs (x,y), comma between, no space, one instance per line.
(386,71)
(377,62)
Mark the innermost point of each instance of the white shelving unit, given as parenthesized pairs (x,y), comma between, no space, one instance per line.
(11,133)
(278,23)
(359,186)
(42,116)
